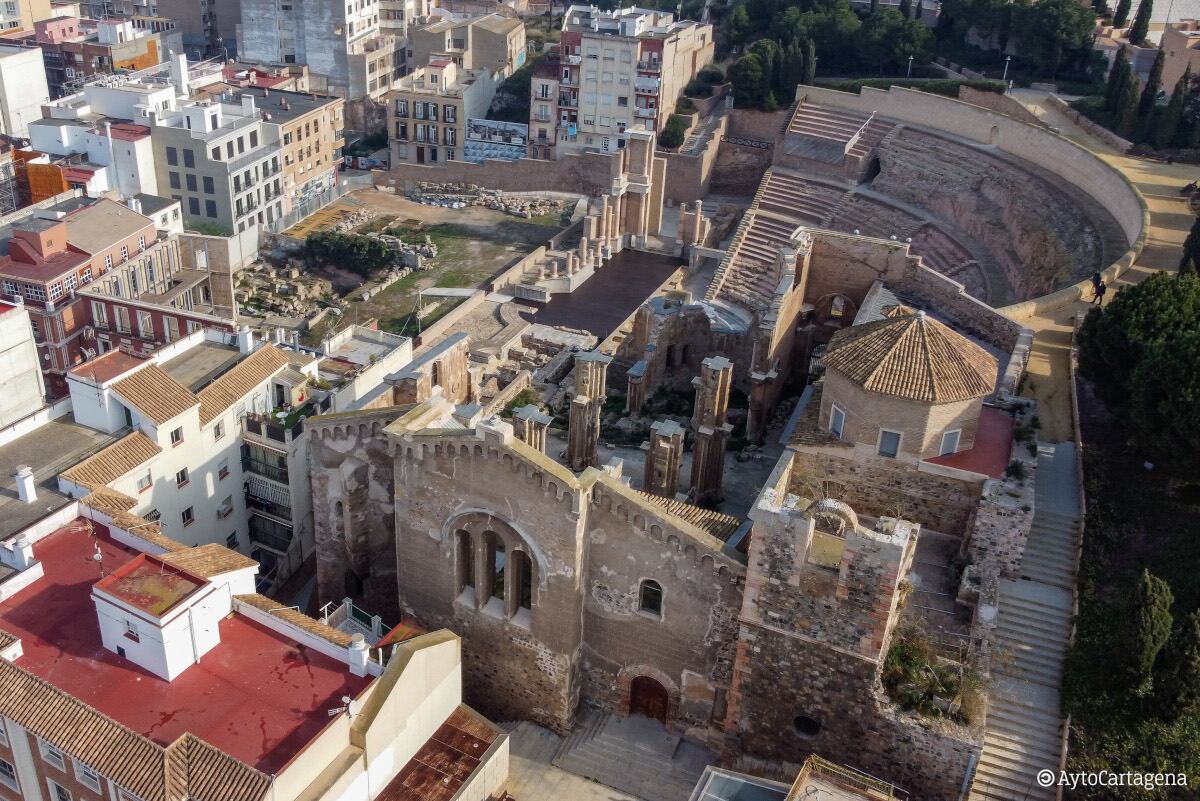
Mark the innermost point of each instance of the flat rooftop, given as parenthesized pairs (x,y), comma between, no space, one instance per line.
(49,449)
(258,696)
(150,585)
(201,364)
(990,453)
(359,348)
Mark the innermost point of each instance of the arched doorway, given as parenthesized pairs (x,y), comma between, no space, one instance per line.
(648,698)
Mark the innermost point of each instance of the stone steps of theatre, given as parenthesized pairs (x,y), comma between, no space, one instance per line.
(1008,781)
(1032,663)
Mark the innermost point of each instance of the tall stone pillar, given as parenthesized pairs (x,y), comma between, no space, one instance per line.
(529,425)
(635,398)
(711,430)
(664,459)
(583,424)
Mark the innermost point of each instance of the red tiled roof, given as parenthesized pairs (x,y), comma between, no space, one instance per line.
(129,132)
(257,696)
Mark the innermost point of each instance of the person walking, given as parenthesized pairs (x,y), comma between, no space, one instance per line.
(1096,279)
(1101,288)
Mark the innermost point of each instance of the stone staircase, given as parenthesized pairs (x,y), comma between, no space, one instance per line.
(635,755)
(1024,725)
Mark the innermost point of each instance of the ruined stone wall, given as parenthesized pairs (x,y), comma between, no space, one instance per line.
(879,486)
(779,678)
(738,168)
(947,297)
(588,173)
(352,490)
(511,671)
(690,647)
(688,175)
(753,124)
(846,265)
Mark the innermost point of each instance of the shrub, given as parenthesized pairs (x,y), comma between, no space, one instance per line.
(684,106)
(362,255)
(697,88)
(1148,627)
(711,74)
(674,132)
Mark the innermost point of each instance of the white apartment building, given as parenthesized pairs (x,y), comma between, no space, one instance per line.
(614,71)
(24,391)
(342,42)
(23,88)
(212,442)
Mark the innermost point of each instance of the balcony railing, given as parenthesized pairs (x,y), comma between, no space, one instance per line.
(649,66)
(270,507)
(646,113)
(270,533)
(261,468)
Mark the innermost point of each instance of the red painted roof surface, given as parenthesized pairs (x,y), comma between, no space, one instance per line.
(993,446)
(150,584)
(258,696)
(107,366)
(445,762)
(129,132)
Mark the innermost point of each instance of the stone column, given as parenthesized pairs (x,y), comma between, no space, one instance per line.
(583,426)
(529,425)
(664,459)
(711,430)
(635,398)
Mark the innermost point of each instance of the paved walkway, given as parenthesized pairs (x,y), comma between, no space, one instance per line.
(531,777)
(1170,220)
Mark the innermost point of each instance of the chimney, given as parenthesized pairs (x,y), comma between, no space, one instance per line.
(248,105)
(179,73)
(358,654)
(22,553)
(245,340)
(25,488)
(134,204)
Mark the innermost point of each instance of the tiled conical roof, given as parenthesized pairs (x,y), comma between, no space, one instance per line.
(912,356)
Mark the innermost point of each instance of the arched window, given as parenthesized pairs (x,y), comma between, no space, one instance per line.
(497,561)
(466,560)
(650,598)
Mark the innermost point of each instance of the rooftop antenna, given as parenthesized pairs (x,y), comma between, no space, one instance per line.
(98,558)
(347,707)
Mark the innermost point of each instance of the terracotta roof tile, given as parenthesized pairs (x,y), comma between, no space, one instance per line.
(150,531)
(808,430)
(297,619)
(113,462)
(153,392)
(239,381)
(108,501)
(912,356)
(188,768)
(714,523)
(209,560)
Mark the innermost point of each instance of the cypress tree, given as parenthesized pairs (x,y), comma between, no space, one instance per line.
(1148,626)
(1116,82)
(1148,102)
(1127,108)
(1121,14)
(1189,268)
(1167,124)
(810,62)
(1177,675)
(1141,22)
(906,8)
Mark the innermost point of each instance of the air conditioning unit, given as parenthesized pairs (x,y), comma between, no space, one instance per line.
(224,510)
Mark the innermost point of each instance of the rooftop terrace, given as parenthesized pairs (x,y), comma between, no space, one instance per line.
(258,696)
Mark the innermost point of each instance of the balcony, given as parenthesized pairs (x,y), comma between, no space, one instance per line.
(265,469)
(646,113)
(274,535)
(565,101)
(575,59)
(646,86)
(649,66)
(268,506)
(280,426)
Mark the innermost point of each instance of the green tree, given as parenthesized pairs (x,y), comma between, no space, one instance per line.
(876,40)
(906,8)
(1121,15)
(1148,102)
(791,69)
(810,63)
(1113,343)
(1191,245)
(771,55)
(673,132)
(1177,674)
(738,26)
(1141,22)
(920,10)
(1054,34)
(1116,82)
(1148,626)
(747,76)
(1164,406)
(1127,107)
(1166,125)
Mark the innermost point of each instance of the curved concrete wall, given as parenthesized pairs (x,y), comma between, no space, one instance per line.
(1039,146)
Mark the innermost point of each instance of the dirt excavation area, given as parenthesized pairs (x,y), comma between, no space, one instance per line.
(472,243)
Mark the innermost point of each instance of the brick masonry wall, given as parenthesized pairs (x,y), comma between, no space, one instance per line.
(878,486)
